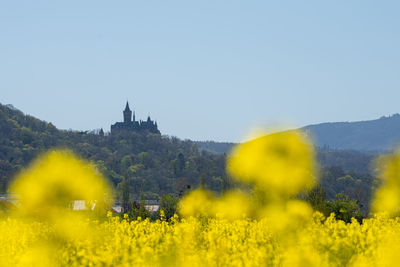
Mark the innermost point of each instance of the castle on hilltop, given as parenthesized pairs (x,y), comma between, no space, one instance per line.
(130,124)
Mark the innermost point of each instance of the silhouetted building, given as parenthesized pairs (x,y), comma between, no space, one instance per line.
(130,123)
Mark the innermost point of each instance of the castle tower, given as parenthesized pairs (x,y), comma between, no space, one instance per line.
(127,114)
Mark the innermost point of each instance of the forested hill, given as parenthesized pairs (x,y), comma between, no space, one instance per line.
(375,135)
(216,147)
(147,164)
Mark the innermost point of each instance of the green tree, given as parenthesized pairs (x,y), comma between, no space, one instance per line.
(317,199)
(169,204)
(345,208)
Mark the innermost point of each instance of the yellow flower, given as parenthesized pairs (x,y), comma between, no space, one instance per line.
(387,197)
(56,179)
(280,162)
(233,205)
(198,202)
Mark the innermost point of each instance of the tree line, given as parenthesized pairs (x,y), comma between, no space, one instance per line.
(144,165)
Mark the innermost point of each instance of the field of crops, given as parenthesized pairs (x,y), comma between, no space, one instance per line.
(269,227)
(211,242)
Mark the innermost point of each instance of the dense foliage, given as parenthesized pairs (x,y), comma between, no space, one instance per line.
(145,165)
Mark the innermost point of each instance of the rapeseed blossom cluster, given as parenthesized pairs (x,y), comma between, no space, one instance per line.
(267,227)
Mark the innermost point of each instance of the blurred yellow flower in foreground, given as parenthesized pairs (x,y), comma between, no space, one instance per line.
(286,217)
(54,181)
(282,163)
(197,202)
(232,205)
(387,197)
(46,190)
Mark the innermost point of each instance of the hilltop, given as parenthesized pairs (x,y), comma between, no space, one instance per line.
(373,135)
(145,162)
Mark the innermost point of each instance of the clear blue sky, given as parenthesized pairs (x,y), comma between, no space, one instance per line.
(205,70)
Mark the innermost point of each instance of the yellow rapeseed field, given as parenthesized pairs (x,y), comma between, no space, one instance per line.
(268,227)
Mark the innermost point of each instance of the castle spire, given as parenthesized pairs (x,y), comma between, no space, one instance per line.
(127,106)
(127,114)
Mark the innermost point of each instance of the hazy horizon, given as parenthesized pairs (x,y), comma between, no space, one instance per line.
(203,70)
